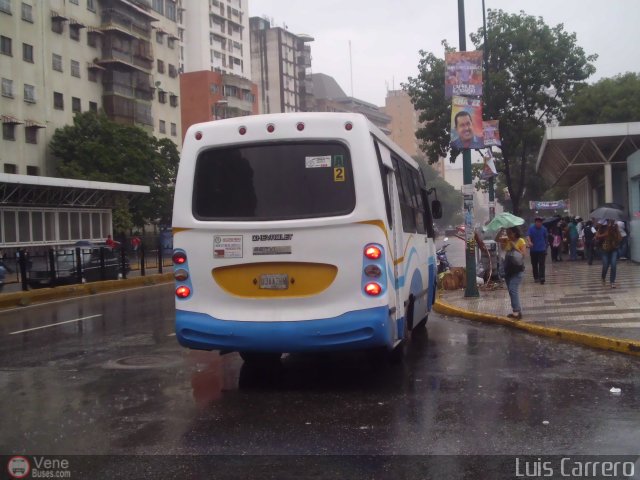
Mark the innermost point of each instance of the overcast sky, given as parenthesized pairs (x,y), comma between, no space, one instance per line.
(386,35)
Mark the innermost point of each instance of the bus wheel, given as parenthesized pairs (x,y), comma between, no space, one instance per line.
(263,358)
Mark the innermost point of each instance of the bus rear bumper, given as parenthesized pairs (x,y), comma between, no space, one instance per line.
(350,331)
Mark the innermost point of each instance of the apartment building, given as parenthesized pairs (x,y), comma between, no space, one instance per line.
(216,95)
(280,66)
(404,124)
(61,57)
(215,36)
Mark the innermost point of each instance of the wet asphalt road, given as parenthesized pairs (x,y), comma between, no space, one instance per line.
(118,383)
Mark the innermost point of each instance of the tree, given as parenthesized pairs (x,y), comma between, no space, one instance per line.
(96,148)
(533,70)
(609,100)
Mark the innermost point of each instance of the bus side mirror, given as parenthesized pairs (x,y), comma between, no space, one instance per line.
(436,209)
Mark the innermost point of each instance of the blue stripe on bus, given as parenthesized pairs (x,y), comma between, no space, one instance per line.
(352,330)
(432,285)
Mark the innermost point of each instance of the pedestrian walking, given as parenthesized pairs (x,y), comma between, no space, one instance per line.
(589,233)
(515,249)
(556,243)
(610,237)
(537,238)
(624,240)
(572,235)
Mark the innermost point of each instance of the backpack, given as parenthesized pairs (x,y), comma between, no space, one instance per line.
(513,261)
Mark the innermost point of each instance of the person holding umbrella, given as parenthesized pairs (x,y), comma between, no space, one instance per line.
(610,238)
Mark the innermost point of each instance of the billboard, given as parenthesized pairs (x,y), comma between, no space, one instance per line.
(466,123)
(463,74)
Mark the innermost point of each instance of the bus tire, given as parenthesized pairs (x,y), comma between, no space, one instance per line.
(257,358)
(421,327)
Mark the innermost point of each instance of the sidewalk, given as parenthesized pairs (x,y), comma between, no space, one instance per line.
(573,304)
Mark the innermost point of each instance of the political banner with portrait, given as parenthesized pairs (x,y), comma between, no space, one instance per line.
(463,74)
(491,132)
(466,123)
(489,168)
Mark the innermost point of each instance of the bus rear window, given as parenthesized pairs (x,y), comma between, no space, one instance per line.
(273,181)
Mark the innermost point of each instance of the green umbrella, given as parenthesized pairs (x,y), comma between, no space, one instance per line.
(503,220)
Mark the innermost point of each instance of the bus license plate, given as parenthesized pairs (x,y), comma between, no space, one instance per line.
(274,281)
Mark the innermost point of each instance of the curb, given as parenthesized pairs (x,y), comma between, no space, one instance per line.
(628,347)
(23,299)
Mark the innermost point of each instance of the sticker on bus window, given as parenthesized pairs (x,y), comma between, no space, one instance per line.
(317,162)
(338,161)
(227,246)
(338,174)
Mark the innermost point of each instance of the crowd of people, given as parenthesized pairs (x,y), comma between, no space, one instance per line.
(604,239)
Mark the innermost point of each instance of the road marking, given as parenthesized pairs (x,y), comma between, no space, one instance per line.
(56,324)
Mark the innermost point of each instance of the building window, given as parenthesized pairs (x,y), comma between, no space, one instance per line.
(92,75)
(93,107)
(5,6)
(75,68)
(10,168)
(27,12)
(91,5)
(5,45)
(163,126)
(159,37)
(27,52)
(230,91)
(162,97)
(7,88)
(75,105)
(8,133)
(160,66)
(91,40)
(213,88)
(56,62)
(57,25)
(31,170)
(158,6)
(171,42)
(173,100)
(74,32)
(31,136)
(173,71)
(174,129)
(170,10)
(58,101)
(76,2)
(29,93)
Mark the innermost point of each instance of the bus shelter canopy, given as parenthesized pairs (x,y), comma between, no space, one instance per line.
(570,153)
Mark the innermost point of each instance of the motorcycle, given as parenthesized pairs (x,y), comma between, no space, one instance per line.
(441,258)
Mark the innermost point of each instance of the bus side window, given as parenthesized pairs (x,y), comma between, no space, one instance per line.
(419,211)
(404,194)
(385,185)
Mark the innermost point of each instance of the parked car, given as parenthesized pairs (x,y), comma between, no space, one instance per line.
(39,275)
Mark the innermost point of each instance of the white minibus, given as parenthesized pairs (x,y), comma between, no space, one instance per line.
(300,232)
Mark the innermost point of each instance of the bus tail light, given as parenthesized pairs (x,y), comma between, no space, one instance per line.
(183,291)
(181,275)
(373,289)
(372,271)
(179,258)
(372,252)
(348,126)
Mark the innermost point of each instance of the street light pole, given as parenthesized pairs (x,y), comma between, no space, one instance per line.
(470,244)
(485,79)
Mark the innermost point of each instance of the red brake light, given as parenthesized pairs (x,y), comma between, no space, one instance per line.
(372,271)
(198,135)
(348,126)
(179,258)
(372,252)
(242,130)
(183,292)
(271,128)
(300,126)
(373,289)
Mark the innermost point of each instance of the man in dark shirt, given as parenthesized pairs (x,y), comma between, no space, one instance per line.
(537,239)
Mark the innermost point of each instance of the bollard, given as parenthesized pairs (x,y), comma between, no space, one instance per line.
(123,263)
(22,260)
(78,265)
(103,270)
(52,267)
(159,257)
(142,270)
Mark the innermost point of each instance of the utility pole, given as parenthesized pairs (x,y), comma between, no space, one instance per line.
(485,79)
(470,244)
